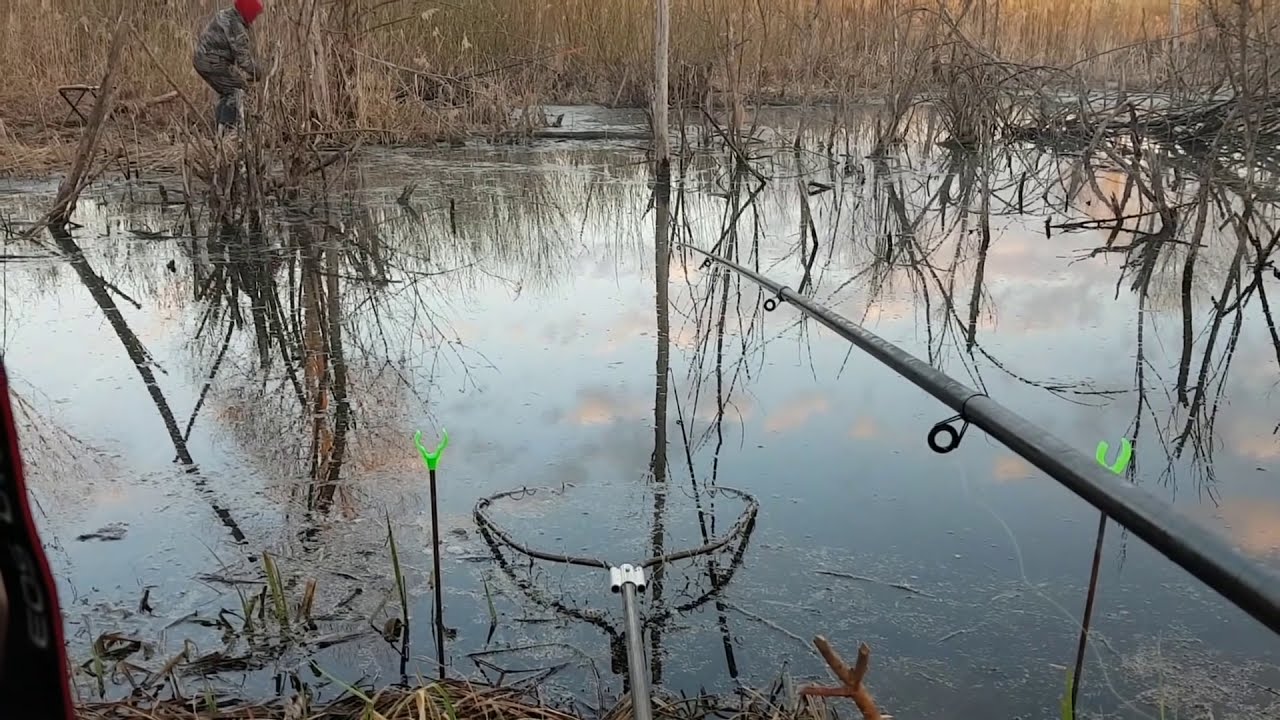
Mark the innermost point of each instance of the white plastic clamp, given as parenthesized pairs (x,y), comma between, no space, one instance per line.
(619,576)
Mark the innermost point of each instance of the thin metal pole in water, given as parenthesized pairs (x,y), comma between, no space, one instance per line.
(435,571)
(1202,553)
(431,458)
(630,580)
(1088,611)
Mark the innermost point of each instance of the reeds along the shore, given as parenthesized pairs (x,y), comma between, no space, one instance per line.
(445,700)
(452,699)
(366,62)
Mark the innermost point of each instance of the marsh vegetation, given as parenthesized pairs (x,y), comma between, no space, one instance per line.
(1071,207)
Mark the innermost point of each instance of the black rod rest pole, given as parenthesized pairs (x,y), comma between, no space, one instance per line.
(1204,554)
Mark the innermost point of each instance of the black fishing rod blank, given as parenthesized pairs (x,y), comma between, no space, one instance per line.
(1204,554)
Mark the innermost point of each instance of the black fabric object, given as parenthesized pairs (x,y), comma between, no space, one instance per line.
(227,111)
(33,670)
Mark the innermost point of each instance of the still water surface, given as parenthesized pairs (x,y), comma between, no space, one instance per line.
(514,300)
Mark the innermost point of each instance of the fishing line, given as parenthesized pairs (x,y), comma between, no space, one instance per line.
(1028,585)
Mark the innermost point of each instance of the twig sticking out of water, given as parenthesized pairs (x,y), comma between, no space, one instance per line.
(863,578)
(850,679)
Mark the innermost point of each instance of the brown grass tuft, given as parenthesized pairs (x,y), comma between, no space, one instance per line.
(444,700)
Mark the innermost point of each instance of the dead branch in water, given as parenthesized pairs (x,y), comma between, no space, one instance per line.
(850,679)
(863,578)
(65,202)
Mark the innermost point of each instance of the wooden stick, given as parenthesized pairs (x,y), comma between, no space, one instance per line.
(69,191)
(661,87)
(850,679)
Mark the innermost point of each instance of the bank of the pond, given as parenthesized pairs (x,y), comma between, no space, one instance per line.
(457,700)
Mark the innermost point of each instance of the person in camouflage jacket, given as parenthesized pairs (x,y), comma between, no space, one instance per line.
(223,52)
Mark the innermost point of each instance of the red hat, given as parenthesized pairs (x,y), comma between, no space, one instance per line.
(249,10)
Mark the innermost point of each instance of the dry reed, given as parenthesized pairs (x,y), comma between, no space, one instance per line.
(568,51)
(414,70)
(446,700)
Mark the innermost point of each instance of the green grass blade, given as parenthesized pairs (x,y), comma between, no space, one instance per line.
(444,698)
(1066,708)
(277,589)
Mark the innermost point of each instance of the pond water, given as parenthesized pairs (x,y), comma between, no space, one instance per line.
(178,393)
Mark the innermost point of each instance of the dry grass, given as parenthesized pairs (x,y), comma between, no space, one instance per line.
(415,70)
(452,699)
(446,700)
(508,52)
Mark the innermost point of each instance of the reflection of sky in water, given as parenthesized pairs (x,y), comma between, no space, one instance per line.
(555,388)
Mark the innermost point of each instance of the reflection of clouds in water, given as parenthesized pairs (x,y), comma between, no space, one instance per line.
(604,406)
(797,411)
(1253,523)
(864,428)
(639,322)
(564,330)
(1254,441)
(1011,468)
(1112,184)
(623,449)
(635,322)
(166,313)
(686,272)
(58,464)
(888,306)
(1055,307)
(1258,364)
(1013,257)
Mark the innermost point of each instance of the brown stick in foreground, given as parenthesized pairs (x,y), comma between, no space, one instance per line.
(850,679)
(69,191)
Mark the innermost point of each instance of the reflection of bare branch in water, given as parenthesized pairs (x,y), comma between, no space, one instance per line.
(921,243)
(330,305)
(1168,189)
(710,317)
(710,313)
(934,227)
(658,463)
(97,287)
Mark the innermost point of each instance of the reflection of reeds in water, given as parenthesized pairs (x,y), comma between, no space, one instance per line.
(337,308)
(98,288)
(903,234)
(710,316)
(290,299)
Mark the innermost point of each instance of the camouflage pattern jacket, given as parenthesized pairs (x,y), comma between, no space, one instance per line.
(222,47)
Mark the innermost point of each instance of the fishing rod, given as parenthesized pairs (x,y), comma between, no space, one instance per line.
(1204,554)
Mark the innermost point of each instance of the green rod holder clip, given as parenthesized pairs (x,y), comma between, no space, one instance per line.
(431,457)
(1122,462)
